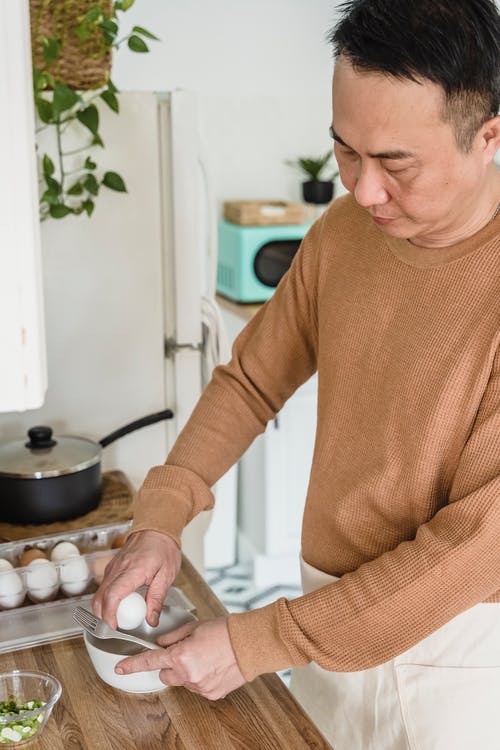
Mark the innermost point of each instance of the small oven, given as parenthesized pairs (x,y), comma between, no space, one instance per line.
(253,259)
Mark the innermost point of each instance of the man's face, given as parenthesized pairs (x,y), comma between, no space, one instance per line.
(398,157)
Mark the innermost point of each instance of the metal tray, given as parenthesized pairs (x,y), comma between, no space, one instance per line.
(32,624)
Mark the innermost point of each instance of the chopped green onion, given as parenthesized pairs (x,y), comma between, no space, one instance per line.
(19,729)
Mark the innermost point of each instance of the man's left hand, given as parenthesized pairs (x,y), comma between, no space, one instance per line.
(199,656)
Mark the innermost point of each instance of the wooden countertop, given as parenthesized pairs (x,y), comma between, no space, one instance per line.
(90,715)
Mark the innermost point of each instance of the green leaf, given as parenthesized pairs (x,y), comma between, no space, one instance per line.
(136,44)
(90,118)
(48,166)
(91,185)
(109,39)
(124,4)
(82,32)
(51,50)
(144,32)
(88,206)
(64,98)
(110,26)
(97,141)
(93,17)
(76,189)
(53,185)
(44,109)
(110,100)
(59,211)
(89,164)
(50,196)
(113,181)
(112,87)
(40,80)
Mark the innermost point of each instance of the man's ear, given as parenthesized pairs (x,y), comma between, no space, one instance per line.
(490,138)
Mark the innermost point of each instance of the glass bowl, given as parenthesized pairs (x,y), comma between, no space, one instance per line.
(21,719)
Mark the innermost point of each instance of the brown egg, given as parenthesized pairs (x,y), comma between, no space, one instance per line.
(118,541)
(31,554)
(99,566)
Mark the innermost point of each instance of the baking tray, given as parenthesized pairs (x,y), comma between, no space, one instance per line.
(32,624)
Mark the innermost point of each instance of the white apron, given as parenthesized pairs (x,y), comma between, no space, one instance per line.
(442,694)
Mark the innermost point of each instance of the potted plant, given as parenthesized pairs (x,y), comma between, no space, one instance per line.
(314,189)
(72,46)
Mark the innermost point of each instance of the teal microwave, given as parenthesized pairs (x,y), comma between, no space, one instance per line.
(253,259)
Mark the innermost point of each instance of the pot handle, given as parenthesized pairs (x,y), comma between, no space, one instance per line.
(158,416)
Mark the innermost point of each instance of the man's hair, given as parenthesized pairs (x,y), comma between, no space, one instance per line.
(454,43)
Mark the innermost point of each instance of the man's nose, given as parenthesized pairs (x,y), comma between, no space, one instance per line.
(370,189)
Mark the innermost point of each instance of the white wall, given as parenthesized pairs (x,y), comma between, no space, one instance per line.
(262,71)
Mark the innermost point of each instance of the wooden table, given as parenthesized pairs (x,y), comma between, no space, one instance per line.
(93,716)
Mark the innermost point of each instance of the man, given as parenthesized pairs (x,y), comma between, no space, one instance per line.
(394,298)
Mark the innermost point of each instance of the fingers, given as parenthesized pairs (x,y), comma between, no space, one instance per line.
(155,596)
(173,636)
(146,661)
(147,557)
(106,604)
(203,664)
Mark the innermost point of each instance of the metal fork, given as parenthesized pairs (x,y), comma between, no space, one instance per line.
(100,629)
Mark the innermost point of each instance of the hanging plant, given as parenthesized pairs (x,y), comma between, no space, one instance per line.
(72,45)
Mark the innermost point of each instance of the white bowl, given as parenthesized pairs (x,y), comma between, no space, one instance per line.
(106,653)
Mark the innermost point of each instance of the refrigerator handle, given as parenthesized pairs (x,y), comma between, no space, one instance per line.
(209,200)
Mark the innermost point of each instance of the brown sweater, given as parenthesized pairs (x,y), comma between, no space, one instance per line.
(404,496)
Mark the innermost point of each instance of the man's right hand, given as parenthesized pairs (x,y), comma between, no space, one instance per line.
(147,557)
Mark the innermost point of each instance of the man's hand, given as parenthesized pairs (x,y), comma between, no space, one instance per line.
(198,656)
(147,557)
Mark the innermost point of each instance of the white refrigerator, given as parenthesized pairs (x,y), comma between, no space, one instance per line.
(131,321)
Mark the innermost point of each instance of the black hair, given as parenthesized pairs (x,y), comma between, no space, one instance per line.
(454,43)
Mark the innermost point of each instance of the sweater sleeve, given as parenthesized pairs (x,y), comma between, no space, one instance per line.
(392,602)
(273,355)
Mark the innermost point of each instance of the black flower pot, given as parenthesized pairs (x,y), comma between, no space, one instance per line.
(317,191)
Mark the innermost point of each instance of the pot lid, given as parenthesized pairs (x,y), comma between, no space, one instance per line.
(47,456)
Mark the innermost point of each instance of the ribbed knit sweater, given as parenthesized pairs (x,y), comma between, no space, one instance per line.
(403,502)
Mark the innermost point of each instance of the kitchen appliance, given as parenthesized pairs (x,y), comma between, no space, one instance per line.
(130,301)
(54,478)
(253,259)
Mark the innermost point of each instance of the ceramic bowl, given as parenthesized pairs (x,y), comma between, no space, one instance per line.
(23,687)
(106,653)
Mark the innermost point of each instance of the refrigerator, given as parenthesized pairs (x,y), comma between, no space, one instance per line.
(131,321)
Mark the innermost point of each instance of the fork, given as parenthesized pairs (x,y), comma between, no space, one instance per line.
(100,629)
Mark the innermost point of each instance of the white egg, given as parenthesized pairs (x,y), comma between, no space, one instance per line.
(11,586)
(42,580)
(63,550)
(74,574)
(131,611)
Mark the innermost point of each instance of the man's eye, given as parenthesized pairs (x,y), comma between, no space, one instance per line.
(397,171)
(347,152)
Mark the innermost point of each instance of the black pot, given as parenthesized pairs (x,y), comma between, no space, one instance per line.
(50,479)
(317,191)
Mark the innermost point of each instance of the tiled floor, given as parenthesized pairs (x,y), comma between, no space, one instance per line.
(234,587)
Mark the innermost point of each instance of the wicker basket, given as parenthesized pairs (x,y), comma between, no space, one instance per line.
(82,65)
(264,213)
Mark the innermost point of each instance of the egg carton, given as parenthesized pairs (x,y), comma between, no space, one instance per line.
(27,584)
(37,601)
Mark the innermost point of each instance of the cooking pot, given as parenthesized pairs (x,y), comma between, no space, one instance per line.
(51,478)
